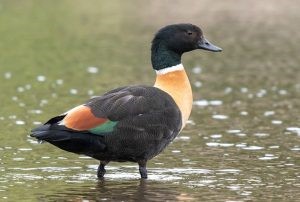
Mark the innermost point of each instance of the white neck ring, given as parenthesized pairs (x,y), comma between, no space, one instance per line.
(166,70)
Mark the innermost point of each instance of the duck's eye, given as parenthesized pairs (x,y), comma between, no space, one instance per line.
(189,33)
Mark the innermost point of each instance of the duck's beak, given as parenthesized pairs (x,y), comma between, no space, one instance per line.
(206,45)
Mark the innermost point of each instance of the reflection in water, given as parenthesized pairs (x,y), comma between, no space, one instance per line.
(142,190)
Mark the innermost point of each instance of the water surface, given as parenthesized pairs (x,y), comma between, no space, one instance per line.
(240,144)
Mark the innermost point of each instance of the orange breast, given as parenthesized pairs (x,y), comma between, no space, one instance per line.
(177,85)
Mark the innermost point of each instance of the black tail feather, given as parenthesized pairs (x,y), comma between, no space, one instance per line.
(72,141)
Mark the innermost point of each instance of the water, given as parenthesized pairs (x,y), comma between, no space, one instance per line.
(240,144)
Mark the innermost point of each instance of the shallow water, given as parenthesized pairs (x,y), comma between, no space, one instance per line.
(240,144)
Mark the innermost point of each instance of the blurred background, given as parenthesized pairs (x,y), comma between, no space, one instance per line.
(241,142)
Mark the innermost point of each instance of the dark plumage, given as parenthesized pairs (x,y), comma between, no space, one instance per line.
(133,123)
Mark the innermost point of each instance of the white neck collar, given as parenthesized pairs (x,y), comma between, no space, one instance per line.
(166,70)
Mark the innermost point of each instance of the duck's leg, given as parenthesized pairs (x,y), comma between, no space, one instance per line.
(101,169)
(143,169)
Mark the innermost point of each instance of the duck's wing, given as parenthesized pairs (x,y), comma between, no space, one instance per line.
(134,107)
(143,118)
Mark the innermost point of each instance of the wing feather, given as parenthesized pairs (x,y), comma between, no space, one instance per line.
(134,107)
(81,118)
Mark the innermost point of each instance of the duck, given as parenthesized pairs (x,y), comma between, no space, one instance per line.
(133,123)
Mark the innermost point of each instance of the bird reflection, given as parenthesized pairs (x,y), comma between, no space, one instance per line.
(142,190)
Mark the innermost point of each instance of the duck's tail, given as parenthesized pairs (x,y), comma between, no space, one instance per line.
(79,142)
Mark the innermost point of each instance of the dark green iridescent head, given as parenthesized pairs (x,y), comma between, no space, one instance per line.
(172,41)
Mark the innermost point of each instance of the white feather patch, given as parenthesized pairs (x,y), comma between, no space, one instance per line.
(166,70)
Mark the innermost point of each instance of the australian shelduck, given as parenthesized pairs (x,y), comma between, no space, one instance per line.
(133,123)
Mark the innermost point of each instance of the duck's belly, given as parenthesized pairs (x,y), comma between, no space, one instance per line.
(133,149)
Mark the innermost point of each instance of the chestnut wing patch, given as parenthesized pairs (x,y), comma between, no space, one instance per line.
(81,118)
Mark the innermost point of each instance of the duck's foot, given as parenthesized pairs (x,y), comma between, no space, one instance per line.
(101,169)
(143,169)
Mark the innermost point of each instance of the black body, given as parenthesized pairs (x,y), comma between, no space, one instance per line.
(147,121)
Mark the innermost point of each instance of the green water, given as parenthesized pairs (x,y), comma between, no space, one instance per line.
(241,143)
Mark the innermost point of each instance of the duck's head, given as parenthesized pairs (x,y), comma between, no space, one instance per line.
(172,41)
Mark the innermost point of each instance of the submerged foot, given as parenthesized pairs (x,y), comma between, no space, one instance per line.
(143,169)
(101,169)
(143,172)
